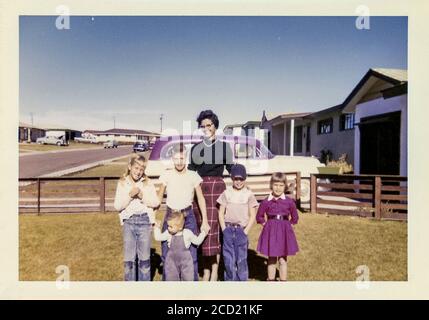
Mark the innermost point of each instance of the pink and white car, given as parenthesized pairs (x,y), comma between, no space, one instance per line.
(254,155)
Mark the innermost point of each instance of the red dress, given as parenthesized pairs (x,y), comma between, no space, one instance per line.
(277,238)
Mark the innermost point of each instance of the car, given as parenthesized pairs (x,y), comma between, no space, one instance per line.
(140,146)
(59,141)
(254,155)
(91,140)
(110,144)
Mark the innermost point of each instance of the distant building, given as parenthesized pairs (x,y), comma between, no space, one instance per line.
(285,133)
(250,129)
(120,135)
(29,133)
(66,133)
(233,130)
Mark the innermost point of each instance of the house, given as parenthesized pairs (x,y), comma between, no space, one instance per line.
(286,133)
(370,126)
(233,129)
(250,128)
(379,104)
(29,133)
(120,135)
(329,130)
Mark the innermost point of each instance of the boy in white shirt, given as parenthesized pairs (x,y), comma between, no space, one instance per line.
(182,185)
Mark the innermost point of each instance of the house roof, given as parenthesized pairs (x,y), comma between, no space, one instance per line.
(393,74)
(26,125)
(252,122)
(289,116)
(233,125)
(393,77)
(56,127)
(122,131)
(338,107)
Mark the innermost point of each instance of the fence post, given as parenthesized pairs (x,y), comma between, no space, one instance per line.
(313,193)
(298,189)
(38,196)
(377,197)
(102,195)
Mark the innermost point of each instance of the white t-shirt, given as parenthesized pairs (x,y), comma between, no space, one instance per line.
(180,187)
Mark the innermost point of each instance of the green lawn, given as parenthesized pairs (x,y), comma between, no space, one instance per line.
(331,247)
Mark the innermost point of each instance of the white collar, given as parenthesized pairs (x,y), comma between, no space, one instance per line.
(209,145)
(271,197)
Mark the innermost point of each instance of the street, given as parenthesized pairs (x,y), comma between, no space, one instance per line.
(44,163)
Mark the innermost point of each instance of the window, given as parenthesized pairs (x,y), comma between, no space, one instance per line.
(347,121)
(324,126)
(297,140)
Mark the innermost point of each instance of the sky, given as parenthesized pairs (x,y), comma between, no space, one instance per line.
(129,70)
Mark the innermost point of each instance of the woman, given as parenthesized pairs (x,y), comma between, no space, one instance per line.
(209,158)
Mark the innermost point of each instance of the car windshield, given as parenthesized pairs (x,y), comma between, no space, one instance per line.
(241,150)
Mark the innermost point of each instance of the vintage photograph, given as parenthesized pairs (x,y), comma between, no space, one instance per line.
(213,148)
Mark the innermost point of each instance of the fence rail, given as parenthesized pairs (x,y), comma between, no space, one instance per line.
(96,194)
(381,197)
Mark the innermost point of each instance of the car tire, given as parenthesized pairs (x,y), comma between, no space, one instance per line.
(58,144)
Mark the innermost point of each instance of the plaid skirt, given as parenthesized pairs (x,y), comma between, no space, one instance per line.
(212,188)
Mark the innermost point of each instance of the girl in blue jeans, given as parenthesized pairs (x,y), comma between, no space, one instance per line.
(135,199)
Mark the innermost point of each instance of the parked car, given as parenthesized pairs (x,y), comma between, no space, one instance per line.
(59,141)
(140,146)
(254,155)
(110,144)
(85,140)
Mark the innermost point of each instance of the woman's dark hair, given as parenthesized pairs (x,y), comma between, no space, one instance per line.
(208,114)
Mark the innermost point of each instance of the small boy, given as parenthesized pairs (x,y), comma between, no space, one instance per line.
(179,263)
(182,185)
(236,216)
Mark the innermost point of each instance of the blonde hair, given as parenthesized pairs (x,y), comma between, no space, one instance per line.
(133,159)
(179,148)
(279,177)
(178,217)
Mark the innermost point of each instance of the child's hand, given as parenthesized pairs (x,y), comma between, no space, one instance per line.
(134,192)
(157,224)
(205,228)
(140,195)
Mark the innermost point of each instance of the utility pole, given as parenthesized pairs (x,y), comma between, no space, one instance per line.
(31,116)
(160,118)
(114,122)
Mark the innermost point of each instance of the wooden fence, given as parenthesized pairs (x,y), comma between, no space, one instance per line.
(381,197)
(96,194)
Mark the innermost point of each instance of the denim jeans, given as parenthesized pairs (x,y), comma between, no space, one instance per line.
(234,249)
(137,243)
(191,224)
